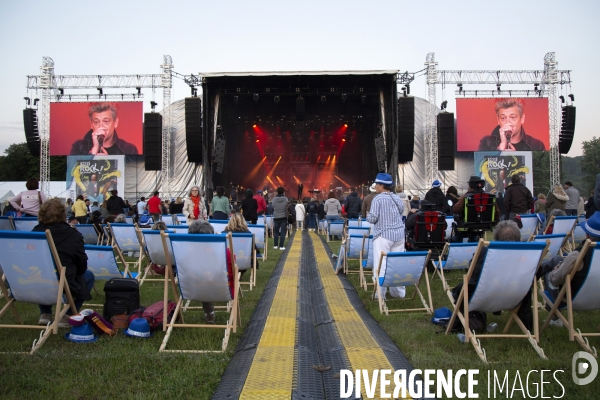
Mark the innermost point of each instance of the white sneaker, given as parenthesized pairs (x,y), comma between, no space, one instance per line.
(282,248)
(275,247)
(556,322)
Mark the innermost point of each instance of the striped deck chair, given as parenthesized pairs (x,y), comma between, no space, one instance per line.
(260,239)
(531,224)
(218,224)
(336,228)
(89,233)
(353,248)
(126,240)
(35,275)
(6,224)
(268,221)
(203,275)
(402,269)
(507,276)
(557,241)
(587,298)
(25,224)
(454,256)
(367,260)
(245,255)
(178,228)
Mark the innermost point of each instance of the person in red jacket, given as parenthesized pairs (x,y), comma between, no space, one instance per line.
(154,207)
(262,204)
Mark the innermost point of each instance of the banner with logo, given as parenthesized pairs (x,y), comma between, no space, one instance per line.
(497,168)
(95,176)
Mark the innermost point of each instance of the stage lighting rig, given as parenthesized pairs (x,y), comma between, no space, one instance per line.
(35,101)
(562,99)
(255,97)
(100,91)
(444,105)
(27,101)
(572,97)
(153,105)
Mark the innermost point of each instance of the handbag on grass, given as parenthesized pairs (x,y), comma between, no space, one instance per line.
(120,321)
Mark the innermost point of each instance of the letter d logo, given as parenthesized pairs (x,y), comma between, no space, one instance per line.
(580,367)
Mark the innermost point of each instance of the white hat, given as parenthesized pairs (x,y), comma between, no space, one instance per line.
(372,188)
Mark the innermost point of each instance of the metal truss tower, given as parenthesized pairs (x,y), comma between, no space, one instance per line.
(549,84)
(46,81)
(167,84)
(431,142)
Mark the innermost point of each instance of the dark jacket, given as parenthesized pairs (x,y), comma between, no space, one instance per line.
(69,245)
(518,199)
(115,205)
(175,208)
(590,208)
(321,211)
(83,146)
(249,207)
(353,203)
(492,141)
(437,197)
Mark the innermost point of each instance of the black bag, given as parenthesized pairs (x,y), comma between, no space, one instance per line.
(122,296)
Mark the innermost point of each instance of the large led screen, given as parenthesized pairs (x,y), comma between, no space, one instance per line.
(98,128)
(502,124)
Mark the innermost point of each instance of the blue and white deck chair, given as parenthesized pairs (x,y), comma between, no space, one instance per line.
(530,226)
(35,275)
(579,236)
(103,264)
(581,218)
(178,228)
(557,241)
(180,219)
(562,224)
(126,240)
(154,250)
(218,224)
(587,298)
(336,228)
(268,221)
(339,265)
(449,221)
(245,255)
(203,275)
(353,222)
(507,275)
(322,226)
(402,269)
(454,256)
(367,260)
(260,238)
(359,230)
(107,238)
(6,224)
(353,248)
(129,220)
(366,224)
(89,233)
(25,224)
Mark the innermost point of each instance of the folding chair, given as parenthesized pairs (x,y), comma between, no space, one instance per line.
(102,262)
(507,276)
(126,239)
(453,257)
(89,233)
(322,226)
(178,228)
(358,230)
(530,226)
(154,250)
(579,236)
(35,275)
(353,248)
(354,223)
(107,237)
(218,225)
(245,255)
(25,224)
(587,298)
(268,220)
(260,238)
(556,243)
(336,228)
(402,269)
(129,220)
(6,224)
(365,224)
(339,265)
(562,224)
(181,219)
(203,275)
(367,260)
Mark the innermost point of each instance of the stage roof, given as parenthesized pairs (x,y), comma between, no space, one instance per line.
(296,73)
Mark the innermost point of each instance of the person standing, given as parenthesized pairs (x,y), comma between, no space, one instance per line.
(250,207)
(311,211)
(366,206)
(280,203)
(332,208)
(300,215)
(436,196)
(517,198)
(141,206)
(353,204)
(80,210)
(388,227)
(220,205)
(154,204)
(28,202)
(300,190)
(573,202)
(261,203)
(557,199)
(115,205)
(590,206)
(194,207)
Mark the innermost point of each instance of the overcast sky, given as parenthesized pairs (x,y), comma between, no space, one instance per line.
(131,37)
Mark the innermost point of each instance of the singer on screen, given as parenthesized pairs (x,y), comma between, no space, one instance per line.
(102,138)
(510,134)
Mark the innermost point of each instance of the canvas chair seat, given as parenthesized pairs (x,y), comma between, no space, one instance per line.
(507,275)
(358,230)
(6,224)
(353,223)
(203,276)
(260,238)
(402,269)
(365,224)
(178,228)
(587,298)
(102,262)
(35,275)
(530,226)
(353,248)
(322,224)
(218,225)
(454,256)
(155,251)
(127,240)
(579,236)
(180,219)
(339,265)
(557,241)
(336,228)
(89,233)
(268,222)
(367,261)
(25,224)
(245,255)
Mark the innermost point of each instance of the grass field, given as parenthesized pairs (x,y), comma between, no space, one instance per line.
(125,368)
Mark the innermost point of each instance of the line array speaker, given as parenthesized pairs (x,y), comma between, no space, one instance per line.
(380,153)
(193,129)
(153,141)
(220,155)
(567,129)
(406,129)
(32,133)
(446,141)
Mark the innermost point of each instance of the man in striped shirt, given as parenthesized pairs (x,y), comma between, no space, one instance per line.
(388,227)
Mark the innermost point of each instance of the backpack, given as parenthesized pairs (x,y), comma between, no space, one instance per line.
(144,218)
(122,296)
(312,207)
(154,314)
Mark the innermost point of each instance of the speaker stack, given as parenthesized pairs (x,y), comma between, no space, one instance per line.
(380,154)
(152,141)
(406,129)
(32,133)
(220,155)
(446,142)
(193,129)
(567,129)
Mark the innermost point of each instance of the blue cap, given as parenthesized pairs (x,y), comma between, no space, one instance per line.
(592,225)
(81,334)
(384,179)
(436,183)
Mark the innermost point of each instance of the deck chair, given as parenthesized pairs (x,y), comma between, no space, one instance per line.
(107,238)
(367,261)
(126,240)
(129,220)
(218,225)
(154,249)
(336,228)
(358,230)
(6,224)
(507,275)
(339,265)
(179,219)
(454,256)
(203,275)
(35,275)
(531,223)
(89,233)
(25,224)
(353,248)
(245,255)
(260,239)
(587,298)
(268,220)
(178,228)
(102,262)
(556,243)
(355,223)
(562,224)
(322,226)
(402,269)
(579,236)
(365,224)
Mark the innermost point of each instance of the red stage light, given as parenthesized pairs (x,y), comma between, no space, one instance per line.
(254,126)
(343,140)
(346,125)
(257,140)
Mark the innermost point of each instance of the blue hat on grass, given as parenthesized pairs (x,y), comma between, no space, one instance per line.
(384,179)
(81,333)
(138,328)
